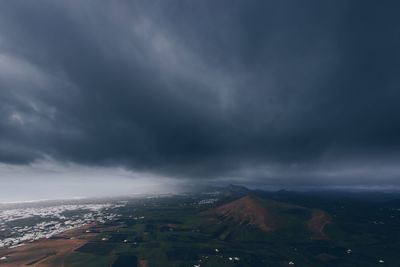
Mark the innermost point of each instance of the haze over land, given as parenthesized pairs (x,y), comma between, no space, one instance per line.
(137,96)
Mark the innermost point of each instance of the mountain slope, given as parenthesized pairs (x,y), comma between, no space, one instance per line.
(246,210)
(271,216)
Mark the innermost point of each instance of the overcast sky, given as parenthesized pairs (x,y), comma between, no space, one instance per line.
(153,93)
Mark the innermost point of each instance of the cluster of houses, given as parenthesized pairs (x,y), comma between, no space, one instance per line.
(16,228)
(207,201)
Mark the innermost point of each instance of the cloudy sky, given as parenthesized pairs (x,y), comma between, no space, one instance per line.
(146,96)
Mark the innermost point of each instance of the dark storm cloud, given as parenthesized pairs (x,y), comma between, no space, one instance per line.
(244,89)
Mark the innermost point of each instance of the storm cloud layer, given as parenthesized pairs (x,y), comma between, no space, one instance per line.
(261,92)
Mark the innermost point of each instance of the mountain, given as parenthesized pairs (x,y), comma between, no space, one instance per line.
(271,216)
(246,210)
(231,190)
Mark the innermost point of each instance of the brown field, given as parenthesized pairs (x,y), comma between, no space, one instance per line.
(143,263)
(46,252)
(42,253)
(317,223)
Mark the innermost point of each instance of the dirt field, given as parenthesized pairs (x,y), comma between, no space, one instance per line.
(42,253)
(45,252)
(143,263)
(317,224)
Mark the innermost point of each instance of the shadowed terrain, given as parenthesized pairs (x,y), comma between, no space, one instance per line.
(227,227)
(269,215)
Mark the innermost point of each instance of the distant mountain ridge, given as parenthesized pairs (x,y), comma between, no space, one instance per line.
(227,191)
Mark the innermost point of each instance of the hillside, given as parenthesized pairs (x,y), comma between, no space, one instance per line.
(271,216)
(246,210)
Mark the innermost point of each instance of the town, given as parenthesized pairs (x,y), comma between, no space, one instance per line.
(19,226)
